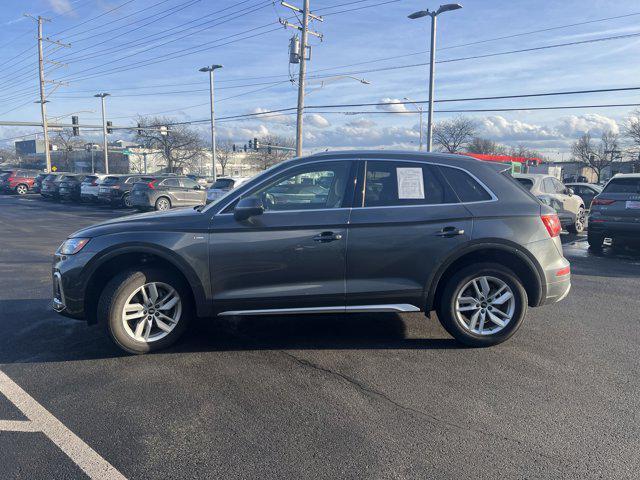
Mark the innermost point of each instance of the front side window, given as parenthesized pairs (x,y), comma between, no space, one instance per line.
(311,187)
(559,186)
(170,182)
(404,183)
(188,183)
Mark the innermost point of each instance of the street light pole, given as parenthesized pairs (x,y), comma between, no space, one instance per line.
(211,69)
(432,63)
(105,146)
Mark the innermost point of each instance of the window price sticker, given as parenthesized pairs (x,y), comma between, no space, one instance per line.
(410,183)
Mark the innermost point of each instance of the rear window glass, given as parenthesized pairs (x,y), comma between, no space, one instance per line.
(525,182)
(465,186)
(110,181)
(223,183)
(623,185)
(89,178)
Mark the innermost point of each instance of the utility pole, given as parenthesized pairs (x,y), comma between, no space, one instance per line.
(42,82)
(211,69)
(302,58)
(105,144)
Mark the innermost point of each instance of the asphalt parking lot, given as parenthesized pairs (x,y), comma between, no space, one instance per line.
(362,396)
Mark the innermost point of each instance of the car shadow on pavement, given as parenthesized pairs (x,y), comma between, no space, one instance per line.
(35,334)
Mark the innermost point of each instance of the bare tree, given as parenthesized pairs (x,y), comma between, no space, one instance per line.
(224,153)
(632,128)
(598,155)
(454,135)
(182,147)
(486,147)
(263,159)
(66,142)
(525,152)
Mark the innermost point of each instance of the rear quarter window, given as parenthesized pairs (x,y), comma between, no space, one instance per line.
(465,186)
(525,182)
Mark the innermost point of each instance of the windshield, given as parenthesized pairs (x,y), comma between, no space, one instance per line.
(525,182)
(223,183)
(623,185)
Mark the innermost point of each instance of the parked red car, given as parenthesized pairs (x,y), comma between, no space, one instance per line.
(17,181)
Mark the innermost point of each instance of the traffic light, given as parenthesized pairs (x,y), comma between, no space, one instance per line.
(109,129)
(256,145)
(139,130)
(74,121)
(245,148)
(234,147)
(250,144)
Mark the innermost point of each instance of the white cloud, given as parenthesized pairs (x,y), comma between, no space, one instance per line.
(316,120)
(500,129)
(362,123)
(393,105)
(60,6)
(272,117)
(593,123)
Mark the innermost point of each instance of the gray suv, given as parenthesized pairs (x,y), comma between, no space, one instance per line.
(358,231)
(163,193)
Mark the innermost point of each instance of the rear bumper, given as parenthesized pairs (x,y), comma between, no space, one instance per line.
(606,227)
(143,201)
(558,291)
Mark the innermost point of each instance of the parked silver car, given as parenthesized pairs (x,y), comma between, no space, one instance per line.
(90,186)
(586,191)
(222,186)
(550,190)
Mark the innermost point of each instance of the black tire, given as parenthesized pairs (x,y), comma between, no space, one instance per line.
(160,202)
(126,201)
(446,308)
(115,295)
(22,189)
(578,225)
(595,241)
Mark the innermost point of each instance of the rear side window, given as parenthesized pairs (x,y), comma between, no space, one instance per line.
(390,184)
(465,186)
(623,185)
(171,182)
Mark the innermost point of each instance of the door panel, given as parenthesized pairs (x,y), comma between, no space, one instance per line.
(293,254)
(394,249)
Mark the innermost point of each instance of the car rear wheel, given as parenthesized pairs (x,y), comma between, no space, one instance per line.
(145,310)
(163,203)
(126,201)
(482,305)
(22,189)
(578,225)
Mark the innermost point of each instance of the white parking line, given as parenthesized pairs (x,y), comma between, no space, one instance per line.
(40,420)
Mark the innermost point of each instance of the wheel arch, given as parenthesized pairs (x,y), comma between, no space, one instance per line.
(101,269)
(509,254)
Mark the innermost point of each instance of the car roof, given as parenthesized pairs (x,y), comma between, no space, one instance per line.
(532,175)
(626,175)
(585,184)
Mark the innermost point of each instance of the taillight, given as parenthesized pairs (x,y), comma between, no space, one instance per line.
(601,201)
(11,179)
(564,271)
(552,222)
(152,184)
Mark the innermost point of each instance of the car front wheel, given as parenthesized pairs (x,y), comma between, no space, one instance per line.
(22,189)
(578,225)
(145,310)
(482,305)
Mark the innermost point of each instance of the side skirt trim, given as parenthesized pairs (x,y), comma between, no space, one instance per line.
(400,307)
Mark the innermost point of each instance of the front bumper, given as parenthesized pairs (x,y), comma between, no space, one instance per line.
(68,284)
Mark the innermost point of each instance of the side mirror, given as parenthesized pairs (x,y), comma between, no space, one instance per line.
(569,191)
(247,208)
(198,187)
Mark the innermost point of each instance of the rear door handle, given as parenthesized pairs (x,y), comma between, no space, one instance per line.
(448,232)
(326,237)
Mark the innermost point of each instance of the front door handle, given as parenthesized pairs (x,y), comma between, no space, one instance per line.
(448,232)
(326,237)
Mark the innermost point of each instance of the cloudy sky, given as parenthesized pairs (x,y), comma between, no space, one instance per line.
(146,53)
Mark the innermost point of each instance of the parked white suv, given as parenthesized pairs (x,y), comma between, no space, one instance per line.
(222,186)
(89,187)
(553,192)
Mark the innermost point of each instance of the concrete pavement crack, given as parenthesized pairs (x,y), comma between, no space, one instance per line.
(430,418)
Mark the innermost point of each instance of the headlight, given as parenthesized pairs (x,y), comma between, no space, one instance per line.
(71,246)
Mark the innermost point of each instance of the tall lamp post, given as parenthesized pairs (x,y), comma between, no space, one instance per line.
(102,96)
(432,64)
(421,110)
(211,69)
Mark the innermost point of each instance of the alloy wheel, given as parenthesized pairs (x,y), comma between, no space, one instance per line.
(21,190)
(485,305)
(151,312)
(163,204)
(580,220)
(127,201)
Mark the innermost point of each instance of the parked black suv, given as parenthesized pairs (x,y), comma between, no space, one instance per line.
(163,193)
(116,189)
(363,231)
(69,187)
